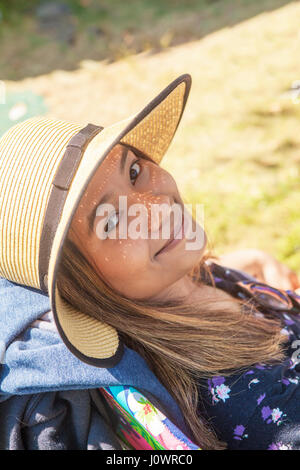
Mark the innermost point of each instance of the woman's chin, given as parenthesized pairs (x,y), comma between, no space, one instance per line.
(195,241)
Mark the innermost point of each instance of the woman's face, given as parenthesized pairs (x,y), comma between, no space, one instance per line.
(131,265)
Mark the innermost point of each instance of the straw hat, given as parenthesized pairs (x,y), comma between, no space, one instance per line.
(45,168)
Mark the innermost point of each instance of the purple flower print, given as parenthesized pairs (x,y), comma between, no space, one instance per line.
(273,446)
(287,320)
(289,381)
(222,391)
(218,381)
(294,381)
(218,389)
(270,415)
(276,415)
(279,446)
(260,367)
(239,432)
(266,412)
(214,382)
(260,398)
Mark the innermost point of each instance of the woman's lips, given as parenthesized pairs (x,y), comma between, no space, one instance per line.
(172,242)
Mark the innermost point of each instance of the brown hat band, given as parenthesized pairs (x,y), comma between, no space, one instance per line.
(60,186)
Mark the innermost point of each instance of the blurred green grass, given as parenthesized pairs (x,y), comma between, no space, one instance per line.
(250,182)
(111,29)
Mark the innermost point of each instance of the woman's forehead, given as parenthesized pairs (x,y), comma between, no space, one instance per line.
(104,178)
(108,167)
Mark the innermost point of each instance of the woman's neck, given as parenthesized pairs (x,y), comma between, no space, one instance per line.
(194,292)
(202,291)
(190,291)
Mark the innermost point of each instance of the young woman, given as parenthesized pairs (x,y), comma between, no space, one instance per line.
(187,329)
(223,351)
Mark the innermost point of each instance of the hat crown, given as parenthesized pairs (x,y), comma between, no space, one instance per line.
(30,154)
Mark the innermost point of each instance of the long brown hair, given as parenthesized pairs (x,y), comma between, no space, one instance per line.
(181,343)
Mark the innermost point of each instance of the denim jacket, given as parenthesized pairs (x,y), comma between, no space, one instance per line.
(48,397)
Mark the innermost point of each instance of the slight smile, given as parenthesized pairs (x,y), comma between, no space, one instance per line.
(172,242)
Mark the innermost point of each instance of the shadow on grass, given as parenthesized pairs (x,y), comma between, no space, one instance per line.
(106,30)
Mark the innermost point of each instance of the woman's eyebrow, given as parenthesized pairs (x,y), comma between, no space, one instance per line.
(107,196)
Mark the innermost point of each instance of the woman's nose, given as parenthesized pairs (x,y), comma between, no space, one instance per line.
(155,206)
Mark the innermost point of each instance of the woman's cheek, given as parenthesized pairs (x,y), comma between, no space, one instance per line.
(125,258)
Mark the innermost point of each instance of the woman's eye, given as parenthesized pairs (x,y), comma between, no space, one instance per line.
(133,171)
(114,219)
(112,222)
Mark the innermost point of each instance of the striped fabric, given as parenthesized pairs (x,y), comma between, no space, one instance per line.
(30,153)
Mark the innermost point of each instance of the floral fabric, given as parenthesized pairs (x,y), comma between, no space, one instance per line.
(258,409)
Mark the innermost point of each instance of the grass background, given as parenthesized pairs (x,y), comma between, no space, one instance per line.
(237,150)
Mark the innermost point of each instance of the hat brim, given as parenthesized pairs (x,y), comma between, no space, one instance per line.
(150,131)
